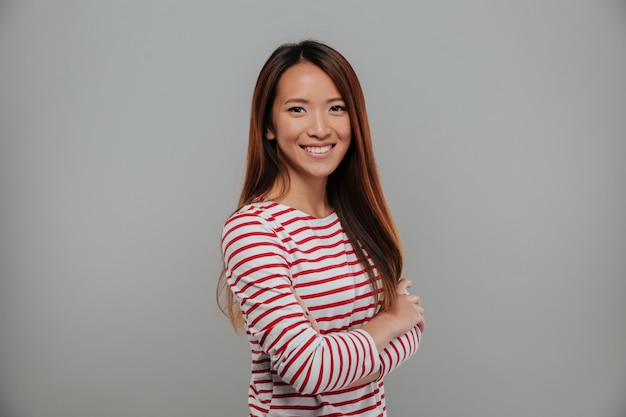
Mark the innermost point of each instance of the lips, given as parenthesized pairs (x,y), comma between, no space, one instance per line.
(317,149)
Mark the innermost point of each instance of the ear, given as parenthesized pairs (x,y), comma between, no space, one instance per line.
(269,134)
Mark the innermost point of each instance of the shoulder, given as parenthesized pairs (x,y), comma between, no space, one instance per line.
(258,214)
(251,230)
(251,216)
(257,220)
(269,214)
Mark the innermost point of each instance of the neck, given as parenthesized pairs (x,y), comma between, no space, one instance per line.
(307,197)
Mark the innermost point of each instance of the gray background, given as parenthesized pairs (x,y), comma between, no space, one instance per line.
(500,134)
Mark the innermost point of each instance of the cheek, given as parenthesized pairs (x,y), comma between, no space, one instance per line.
(345,132)
(287,129)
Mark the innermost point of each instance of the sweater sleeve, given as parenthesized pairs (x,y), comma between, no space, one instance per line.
(258,273)
(399,350)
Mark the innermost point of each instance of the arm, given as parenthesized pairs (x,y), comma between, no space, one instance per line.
(258,274)
(396,352)
(403,347)
(405,314)
(399,348)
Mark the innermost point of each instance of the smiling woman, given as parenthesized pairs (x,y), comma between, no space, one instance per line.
(312,257)
(311,128)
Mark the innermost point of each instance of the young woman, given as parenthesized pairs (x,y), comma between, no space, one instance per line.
(312,257)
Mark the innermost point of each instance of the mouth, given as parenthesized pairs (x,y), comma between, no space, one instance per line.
(317,149)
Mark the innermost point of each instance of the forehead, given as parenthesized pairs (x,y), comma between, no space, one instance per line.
(306,78)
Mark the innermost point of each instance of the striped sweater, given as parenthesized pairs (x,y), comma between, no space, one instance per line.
(269,249)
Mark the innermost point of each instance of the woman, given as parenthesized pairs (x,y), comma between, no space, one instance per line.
(312,258)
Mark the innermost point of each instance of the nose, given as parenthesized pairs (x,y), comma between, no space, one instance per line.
(318,126)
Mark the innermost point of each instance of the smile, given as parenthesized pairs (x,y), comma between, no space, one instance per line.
(317,149)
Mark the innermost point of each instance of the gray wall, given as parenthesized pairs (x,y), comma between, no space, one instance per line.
(500,134)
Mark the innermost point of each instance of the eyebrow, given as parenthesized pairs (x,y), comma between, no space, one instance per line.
(304,101)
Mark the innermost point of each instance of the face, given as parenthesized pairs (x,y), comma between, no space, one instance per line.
(311,125)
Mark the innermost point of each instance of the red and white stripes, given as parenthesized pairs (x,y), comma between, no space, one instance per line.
(269,248)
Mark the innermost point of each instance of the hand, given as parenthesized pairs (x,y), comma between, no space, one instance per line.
(404,316)
(307,314)
(407,309)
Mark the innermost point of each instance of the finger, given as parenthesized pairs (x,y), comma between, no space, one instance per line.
(421,324)
(402,286)
(413,298)
(307,314)
(314,324)
(422,321)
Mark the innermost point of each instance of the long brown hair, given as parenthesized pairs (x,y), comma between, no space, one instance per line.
(353,189)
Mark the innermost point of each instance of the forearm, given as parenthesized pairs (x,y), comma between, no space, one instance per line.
(366,380)
(381,328)
(318,364)
(395,353)
(399,350)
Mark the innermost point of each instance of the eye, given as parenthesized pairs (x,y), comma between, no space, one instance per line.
(296,109)
(338,108)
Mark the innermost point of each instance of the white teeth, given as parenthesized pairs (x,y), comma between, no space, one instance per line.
(317,149)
